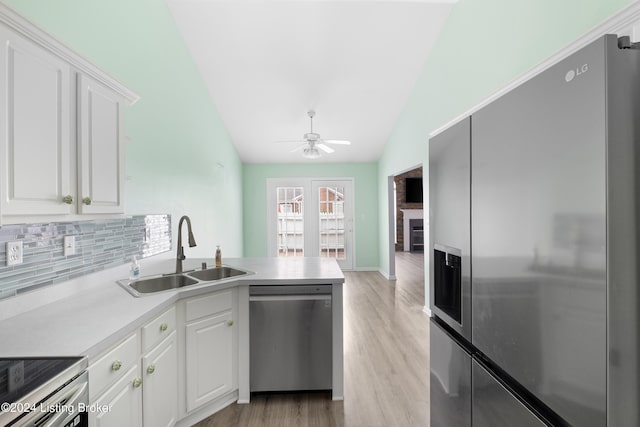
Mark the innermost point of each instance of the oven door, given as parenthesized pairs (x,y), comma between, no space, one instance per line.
(65,408)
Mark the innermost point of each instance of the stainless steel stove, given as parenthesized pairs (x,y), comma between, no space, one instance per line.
(44,391)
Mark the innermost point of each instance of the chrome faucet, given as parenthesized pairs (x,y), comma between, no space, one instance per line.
(192,242)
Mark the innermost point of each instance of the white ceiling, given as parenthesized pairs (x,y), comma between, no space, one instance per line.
(266,62)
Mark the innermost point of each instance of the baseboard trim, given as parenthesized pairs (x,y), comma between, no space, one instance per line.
(366,269)
(386,275)
(427,311)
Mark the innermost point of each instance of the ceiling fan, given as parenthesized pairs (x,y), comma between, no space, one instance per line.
(312,141)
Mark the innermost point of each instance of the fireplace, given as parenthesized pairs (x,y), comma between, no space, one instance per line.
(409,215)
(416,235)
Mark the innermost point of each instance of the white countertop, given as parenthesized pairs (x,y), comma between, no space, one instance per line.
(88,315)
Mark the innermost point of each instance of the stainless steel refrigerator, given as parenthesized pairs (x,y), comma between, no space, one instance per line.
(534,251)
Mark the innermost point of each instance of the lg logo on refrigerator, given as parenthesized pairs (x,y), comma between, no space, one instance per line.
(571,74)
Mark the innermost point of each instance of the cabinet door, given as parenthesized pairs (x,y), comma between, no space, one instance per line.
(123,402)
(35,129)
(160,391)
(101,152)
(209,355)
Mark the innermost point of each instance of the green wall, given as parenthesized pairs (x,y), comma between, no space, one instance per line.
(366,203)
(178,142)
(180,159)
(484,45)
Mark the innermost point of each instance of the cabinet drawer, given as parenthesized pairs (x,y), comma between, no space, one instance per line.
(158,329)
(110,367)
(208,305)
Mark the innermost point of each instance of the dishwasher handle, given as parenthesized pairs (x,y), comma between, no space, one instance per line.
(316,297)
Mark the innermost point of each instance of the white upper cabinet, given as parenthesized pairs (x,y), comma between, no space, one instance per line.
(61,128)
(35,129)
(100,148)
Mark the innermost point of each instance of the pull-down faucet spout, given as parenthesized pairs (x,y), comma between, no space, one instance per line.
(192,242)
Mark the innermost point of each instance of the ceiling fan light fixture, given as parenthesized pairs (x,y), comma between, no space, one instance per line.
(312,142)
(311,153)
(311,136)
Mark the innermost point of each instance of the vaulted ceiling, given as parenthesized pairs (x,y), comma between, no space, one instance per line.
(267,62)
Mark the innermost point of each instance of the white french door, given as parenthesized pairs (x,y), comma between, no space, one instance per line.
(311,217)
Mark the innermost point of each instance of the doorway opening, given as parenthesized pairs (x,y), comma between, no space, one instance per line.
(408,223)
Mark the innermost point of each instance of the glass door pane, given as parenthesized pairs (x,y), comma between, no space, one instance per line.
(331,221)
(290,215)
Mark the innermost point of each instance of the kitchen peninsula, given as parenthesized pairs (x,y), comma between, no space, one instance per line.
(95,317)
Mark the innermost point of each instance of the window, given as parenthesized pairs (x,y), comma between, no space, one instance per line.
(290,217)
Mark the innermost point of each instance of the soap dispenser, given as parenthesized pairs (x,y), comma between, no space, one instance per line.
(134,271)
(218,256)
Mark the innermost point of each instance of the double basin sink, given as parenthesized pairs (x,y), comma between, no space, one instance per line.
(167,282)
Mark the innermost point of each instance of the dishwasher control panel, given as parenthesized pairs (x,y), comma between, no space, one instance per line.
(290,290)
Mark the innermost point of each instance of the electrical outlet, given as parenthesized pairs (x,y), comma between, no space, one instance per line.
(14,253)
(69,245)
(15,376)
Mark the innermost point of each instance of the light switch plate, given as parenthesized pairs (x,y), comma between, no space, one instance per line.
(69,245)
(14,253)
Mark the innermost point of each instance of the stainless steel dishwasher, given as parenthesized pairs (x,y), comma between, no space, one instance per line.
(291,335)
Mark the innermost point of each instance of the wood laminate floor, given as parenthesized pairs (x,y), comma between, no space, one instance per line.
(386,361)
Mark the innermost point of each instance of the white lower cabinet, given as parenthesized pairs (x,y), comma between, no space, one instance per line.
(209,356)
(140,382)
(211,346)
(145,387)
(121,405)
(160,388)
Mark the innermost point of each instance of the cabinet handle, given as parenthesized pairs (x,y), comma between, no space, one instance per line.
(116,365)
(137,382)
(164,327)
(151,369)
(68,199)
(229,322)
(86,201)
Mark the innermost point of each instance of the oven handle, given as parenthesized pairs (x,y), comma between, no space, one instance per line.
(77,393)
(324,297)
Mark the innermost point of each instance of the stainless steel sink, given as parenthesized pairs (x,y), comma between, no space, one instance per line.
(167,282)
(163,283)
(217,273)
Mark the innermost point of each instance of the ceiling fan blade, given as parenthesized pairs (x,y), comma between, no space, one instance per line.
(337,141)
(325,148)
(290,141)
(298,148)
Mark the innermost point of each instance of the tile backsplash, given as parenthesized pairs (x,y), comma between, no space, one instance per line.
(100,244)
